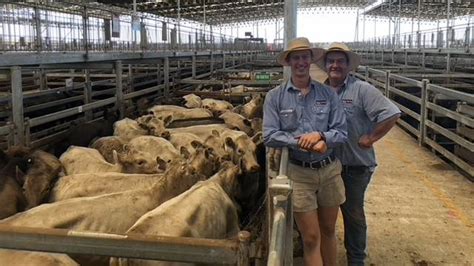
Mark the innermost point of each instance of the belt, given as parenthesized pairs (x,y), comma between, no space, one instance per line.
(315,165)
(355,167)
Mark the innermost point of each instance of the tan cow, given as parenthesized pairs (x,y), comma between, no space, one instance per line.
(254,108)
(238,122)
(81,160)
(30,258)
(217,107)
(109,213)
(107,145)
(178,112)
(86,185)
(204,211)
(244,148)
(241,144)
(127,129)
(192,101)
(154,125)
(141,153)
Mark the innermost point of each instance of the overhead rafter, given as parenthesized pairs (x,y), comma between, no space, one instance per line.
(429,9)
(220,12)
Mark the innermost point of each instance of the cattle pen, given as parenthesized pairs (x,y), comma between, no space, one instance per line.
(71,69)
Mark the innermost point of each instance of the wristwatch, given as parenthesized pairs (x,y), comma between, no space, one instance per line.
(323,137)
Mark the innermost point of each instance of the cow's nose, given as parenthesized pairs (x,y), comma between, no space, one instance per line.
(254,168)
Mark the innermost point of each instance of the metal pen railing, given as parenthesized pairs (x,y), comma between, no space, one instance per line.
(281,216)
(422,104)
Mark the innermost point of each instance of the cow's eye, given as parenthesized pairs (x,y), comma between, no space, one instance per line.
(29,160)
(141,162)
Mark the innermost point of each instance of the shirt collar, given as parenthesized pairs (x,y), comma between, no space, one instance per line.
(290,86)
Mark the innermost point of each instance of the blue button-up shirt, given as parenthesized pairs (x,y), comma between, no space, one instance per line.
(365,107)
(288,114)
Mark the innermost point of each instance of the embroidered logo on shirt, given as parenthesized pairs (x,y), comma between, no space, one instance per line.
(321,102)
(347,100)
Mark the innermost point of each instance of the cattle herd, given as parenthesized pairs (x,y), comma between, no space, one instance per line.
(146,178)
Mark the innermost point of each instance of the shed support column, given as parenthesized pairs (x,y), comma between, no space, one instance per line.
(290,28)
(119,88)
(17,106)
(39,44)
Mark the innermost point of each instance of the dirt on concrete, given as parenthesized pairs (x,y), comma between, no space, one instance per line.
(419,208)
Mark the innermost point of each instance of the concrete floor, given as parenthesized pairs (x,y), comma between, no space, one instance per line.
(419,209)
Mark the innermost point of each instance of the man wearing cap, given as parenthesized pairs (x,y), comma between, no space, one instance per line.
(307,117)
(370,115)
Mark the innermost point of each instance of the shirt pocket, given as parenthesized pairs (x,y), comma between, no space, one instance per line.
(321,115)
(289,120)
(349,109)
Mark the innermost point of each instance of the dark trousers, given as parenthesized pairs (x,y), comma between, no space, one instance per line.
(356,179)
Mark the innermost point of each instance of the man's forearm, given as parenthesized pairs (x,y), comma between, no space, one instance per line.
(383,128)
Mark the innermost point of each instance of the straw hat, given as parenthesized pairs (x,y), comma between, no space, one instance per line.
(299,44)
(316,73)
(354,59)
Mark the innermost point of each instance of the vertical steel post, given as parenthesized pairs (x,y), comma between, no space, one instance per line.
(387,84)
(88,93)
(193,66)
(290,25)
(39,44)
(119,88)
(85,30)
(223,60)
(167,77)
(423,111)
(212,61)
(17,105)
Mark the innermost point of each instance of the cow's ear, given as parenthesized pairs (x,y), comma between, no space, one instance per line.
(257,138)
(215,133)
(229,142)
(161,163)
(185,153)
(168,119)
(247,122)
(195,144)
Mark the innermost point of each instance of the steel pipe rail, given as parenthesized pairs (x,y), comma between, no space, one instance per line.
(429,109)
(180,249)
(281,238)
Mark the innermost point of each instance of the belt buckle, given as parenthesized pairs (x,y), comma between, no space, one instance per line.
(323,163)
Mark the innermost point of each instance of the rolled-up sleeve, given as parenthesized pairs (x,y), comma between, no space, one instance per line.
(337,133)
(273,136)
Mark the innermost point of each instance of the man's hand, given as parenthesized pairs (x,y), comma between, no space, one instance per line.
(319,147)
(307,141)
(365,142)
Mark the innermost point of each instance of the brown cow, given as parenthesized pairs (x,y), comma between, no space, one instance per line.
(40,177)
(11,182)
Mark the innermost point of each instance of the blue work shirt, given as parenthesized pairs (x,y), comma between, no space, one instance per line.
(365,107)
(288,114)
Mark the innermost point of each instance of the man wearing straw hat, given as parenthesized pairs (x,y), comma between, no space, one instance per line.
(307,117)
(370,115)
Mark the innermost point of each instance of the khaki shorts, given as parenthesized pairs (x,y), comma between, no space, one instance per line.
(316,187)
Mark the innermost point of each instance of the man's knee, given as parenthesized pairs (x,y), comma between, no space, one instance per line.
(311,239)
(327,231)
